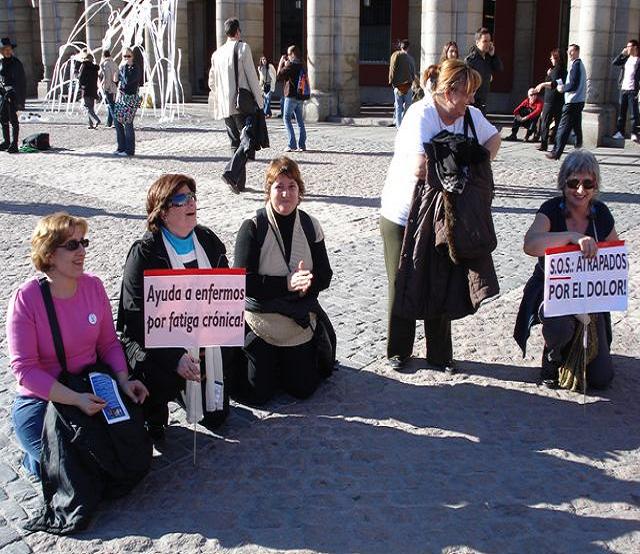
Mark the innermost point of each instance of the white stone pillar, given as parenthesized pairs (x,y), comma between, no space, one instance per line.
(468,19)
(95,27)
(250,13)
(593,32)
(346,61)
(182,42)
(57,19)
(415,24)
(320,59)
(224,10)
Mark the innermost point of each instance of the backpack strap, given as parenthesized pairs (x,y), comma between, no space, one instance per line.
(262,226)
(53,322)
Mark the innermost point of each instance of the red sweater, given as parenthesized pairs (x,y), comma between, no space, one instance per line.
(535,107)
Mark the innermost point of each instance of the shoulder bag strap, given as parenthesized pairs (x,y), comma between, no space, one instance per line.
(53,322)
(468,122)
(236,50)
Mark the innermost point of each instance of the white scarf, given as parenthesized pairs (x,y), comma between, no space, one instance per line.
(214,381)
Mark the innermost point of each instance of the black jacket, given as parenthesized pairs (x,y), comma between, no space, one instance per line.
(150,253)
(12,74)
(619,61)
(88,79)
(129,78)
(486,66)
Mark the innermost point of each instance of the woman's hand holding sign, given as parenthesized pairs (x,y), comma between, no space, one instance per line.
(588,245)
(188,368)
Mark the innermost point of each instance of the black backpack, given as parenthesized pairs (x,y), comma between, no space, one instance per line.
(39,141)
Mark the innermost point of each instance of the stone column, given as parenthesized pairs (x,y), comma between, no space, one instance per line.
(320,59)
(415,23)
(252,24)
(346,61)
(224,10)
(57,19)
(182,42)
(96,27)
(593,32)
(468,18)
(17,21)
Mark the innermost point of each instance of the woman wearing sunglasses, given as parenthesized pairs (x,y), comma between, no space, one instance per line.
(129,81)
(577,217)
(58,248)
(173,240)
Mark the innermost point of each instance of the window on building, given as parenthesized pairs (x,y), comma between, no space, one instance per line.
(375,31)
(489,15)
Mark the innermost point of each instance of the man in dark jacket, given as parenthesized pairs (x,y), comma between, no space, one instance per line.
(12,94)
(629,84)
(482,57)
(289,71)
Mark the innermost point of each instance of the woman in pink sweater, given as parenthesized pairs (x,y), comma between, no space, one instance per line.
(58,248)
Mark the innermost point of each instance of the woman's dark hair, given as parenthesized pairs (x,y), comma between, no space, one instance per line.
(445,49)
(159,194)
(281,165)
(558,55)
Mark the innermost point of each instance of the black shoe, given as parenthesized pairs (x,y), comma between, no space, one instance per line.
(551,384)
(397,363)
(226,177)
(511,138)
(5,145)
(13,149)
(542,148)
(214,420)
(449,367)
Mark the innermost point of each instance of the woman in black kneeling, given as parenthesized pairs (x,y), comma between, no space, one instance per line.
(283,251)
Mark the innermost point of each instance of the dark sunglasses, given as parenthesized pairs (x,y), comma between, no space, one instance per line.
(74,244)
(587,184)
(126,56)
(182,199)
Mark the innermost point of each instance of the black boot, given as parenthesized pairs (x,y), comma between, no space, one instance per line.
(13,148)
(5,136)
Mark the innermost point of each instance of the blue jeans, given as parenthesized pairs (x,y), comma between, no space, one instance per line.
(267,102)
(27,416)
(126,137)
(401,105)
(294,106)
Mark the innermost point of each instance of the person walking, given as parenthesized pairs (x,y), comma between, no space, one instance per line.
(108,75)
(13,87)
(575,94)
(267,77)
(629,83)
(290,70)
(483,58)
(402,72)
(222,99)
(553,100)
(88,81)
(129,81)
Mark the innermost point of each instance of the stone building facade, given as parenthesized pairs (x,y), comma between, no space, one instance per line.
(347,43)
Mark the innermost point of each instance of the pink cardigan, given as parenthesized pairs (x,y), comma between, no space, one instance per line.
(86,325)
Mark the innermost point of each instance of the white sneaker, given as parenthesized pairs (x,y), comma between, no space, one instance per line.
(289,149)
(618,136)
(634,137)
(123,154)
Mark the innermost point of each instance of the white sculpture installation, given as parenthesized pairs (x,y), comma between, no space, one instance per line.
(147,26)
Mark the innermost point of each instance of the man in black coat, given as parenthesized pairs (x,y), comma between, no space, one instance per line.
(482,57)
(12,94)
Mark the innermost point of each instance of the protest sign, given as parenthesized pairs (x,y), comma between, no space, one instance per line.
(194,307)
(574,284)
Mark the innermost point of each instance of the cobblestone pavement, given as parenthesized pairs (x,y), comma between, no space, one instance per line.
(376,461)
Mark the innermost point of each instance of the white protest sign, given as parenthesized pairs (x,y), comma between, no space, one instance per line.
(194,308)
(574,284)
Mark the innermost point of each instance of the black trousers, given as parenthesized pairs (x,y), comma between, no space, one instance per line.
(571,120)
(401,332)
(628,97)
(292,368)
(558,333)
(9,115)
(530,124)
(238,130)
(550,112)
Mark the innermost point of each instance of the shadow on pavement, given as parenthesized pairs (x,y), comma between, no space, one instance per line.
(362,201)
(31,208)
(373,464)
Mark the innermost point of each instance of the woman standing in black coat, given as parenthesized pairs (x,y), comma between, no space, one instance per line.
(88,80)
(173,241)
(12,94)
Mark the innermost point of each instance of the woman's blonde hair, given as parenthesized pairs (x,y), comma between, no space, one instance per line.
(285,165)
(51,232)
(457,75)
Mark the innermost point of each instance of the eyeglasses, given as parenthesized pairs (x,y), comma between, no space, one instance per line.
(182,199)
(126,56)
(73,244)
(587,184)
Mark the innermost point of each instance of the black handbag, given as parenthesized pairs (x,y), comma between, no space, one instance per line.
(245,102)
